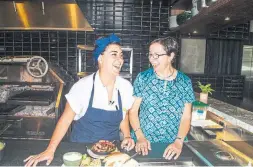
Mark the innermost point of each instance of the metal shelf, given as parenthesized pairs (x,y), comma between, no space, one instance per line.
(212,18)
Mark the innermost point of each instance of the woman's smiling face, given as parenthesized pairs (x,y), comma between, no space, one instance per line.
(111,59)
(162,61)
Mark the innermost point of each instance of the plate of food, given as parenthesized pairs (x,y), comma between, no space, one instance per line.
(101,149)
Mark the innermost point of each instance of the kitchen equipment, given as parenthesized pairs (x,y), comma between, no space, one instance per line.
(33,105)
(216,153)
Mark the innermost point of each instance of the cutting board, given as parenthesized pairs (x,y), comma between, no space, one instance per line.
(156,154)
(206,124)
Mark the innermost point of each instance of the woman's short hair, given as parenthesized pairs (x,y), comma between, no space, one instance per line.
(169,44)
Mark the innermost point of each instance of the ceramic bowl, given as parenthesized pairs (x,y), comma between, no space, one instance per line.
(72,159)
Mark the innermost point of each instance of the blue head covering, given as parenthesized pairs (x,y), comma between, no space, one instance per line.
(102,43)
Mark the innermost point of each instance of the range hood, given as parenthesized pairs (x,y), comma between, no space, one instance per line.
(42,15)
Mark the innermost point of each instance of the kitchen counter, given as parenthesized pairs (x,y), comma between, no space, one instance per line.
(217,153)
(245,103)
(232,113)
(246,147)
(17,150)
(235,115)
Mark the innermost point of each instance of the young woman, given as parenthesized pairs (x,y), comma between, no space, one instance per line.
(164,96)
(98,103)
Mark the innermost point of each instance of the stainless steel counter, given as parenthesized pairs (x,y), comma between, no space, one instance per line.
(216,153)
(233,114)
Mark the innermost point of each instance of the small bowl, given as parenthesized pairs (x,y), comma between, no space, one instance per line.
(72,159)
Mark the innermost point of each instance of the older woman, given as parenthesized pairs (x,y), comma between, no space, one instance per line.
(164,96)
(98,103)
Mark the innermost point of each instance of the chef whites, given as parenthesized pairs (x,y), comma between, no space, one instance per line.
(95,118)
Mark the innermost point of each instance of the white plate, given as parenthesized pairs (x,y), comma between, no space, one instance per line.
(93,155)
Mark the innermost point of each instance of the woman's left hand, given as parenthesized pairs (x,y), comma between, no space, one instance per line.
(173,150)
(127,143)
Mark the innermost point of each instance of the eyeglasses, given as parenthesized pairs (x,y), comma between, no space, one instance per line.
(154,56)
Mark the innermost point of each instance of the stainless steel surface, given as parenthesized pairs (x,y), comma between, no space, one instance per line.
(37,66)
(5,128)
(235,133)
(35,105)
(28,127)
(223,155)
(229,133)
(127,68)
(207,152)
(42,15)
(245,147)
(186,163)
(247,62)
(247,70)
(80,55)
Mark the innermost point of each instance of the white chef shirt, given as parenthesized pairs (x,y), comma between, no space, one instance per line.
(79,95)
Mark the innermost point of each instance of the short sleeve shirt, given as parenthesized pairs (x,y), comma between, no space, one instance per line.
(162,104)
(79,95)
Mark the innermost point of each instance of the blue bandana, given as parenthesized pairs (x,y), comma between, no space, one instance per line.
(102,43)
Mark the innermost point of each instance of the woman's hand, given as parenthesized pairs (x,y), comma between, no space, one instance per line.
(33,160)
(127,143)
(173,149)
(142,146)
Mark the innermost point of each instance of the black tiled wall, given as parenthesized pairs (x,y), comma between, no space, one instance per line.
(136,23)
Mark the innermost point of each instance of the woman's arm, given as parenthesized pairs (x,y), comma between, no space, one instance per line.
(128,142)
(142,145)
(134,118)
(175,149)
(59,132)
(61,127)
(125,127)
(185,122)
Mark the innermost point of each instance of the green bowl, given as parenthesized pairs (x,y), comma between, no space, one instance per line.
(72,159)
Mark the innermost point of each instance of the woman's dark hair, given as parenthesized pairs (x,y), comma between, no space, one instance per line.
(169,44)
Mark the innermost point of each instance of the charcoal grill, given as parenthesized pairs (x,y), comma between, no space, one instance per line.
(32,105)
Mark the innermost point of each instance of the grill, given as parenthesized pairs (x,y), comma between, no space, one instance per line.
(30,106)
(28,114)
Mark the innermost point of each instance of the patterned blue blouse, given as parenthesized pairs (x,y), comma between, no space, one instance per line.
(162,104)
